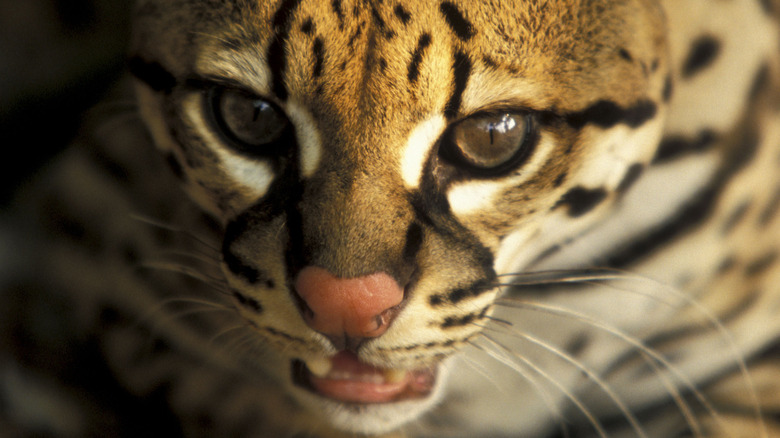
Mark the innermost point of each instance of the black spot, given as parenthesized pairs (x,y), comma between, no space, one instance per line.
(703,52)
(560,179)
(760,82)
(577,345)
(355,36)
(414,65)
(674,147)
(632,175)
(336,5)
(607,114)
(743,151)
(308,26)
(402,14)
(770,211)
(152,74)
(456,21)
(581,200)
(380,22)
(735,217)
(625,54)
(668,90)
(761,264)
(173,163)
(319,57)
(768,6)
(488,61)
(462,70)
(727,264)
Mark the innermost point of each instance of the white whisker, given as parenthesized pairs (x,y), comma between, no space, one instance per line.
(598,427)
(155,223)
(540,391)
(624,409)
(640,346)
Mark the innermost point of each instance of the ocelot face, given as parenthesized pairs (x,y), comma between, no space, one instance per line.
(378,165)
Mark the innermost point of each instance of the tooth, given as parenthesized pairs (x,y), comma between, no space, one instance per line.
(395,375)
(320,367)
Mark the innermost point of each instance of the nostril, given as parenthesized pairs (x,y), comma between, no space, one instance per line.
(355,307)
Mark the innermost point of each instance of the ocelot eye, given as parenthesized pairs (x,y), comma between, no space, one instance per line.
(489,143)
(252,124)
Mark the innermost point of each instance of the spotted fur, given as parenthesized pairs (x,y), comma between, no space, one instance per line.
(616,276)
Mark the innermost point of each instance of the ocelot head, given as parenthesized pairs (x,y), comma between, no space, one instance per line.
(380,166)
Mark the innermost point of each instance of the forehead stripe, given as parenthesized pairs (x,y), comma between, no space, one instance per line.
(462,70)
(456,21)
(277,57)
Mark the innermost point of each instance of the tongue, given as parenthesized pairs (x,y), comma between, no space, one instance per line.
(353,381)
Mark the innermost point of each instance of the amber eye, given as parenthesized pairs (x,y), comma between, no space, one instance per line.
(489,143)
(252,125)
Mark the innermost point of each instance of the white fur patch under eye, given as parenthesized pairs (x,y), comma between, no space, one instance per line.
(420,142)
(255,175)
(308,136)
(473,196)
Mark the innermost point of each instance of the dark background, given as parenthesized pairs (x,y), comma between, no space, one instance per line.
(57,59)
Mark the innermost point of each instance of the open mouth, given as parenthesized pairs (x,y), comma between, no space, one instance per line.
(345,378)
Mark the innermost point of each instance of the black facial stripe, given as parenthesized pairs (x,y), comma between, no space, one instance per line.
(414,65)
(581,200)
(457,295)
(414,238)
(703,52)
(606,114)
(237,266)
(277,57)
(248,302)
(152,74)
(462,70)
(461,27)
(461,321)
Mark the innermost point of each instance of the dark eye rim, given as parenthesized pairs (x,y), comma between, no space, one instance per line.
(267,150)
(452,155)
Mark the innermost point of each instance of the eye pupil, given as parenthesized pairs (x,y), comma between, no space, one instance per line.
(250,123)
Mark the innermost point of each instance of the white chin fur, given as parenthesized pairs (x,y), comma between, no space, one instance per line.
(372,419)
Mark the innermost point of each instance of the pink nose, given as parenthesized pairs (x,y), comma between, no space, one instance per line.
(361,307)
